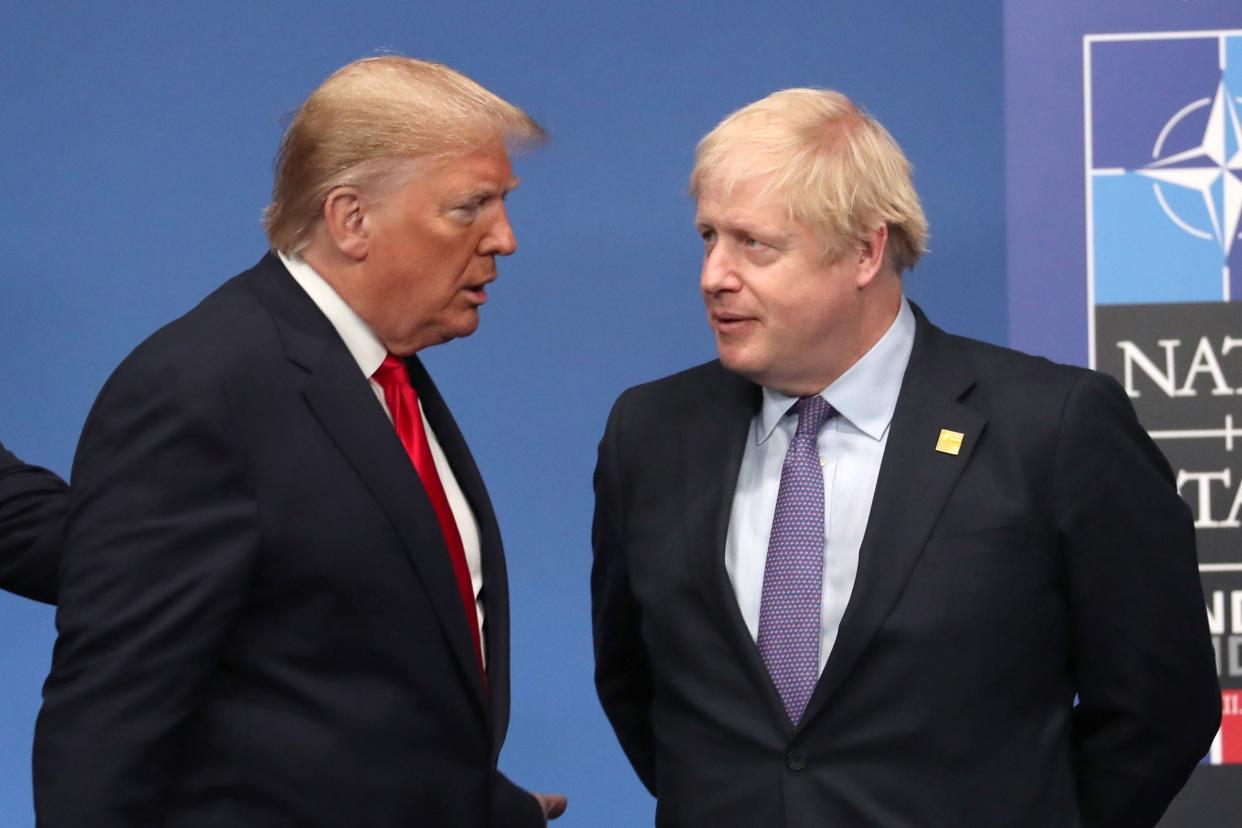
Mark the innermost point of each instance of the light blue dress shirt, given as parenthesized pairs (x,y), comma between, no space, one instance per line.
(851,447)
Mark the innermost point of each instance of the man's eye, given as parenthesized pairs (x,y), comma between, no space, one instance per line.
(709,236)
(752,243)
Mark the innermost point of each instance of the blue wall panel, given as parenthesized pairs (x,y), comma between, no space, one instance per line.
(136,142)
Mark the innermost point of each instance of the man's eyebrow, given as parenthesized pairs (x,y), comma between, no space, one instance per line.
(738,226)
(489,191)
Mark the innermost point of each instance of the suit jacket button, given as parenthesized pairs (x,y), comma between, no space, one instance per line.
(795,760)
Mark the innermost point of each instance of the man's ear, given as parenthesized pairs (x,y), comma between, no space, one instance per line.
(343,214)
(871,254)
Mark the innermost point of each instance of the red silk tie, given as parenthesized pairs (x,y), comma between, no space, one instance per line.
(403,405)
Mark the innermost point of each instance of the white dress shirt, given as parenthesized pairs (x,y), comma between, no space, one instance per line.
(369,353)
(851,447)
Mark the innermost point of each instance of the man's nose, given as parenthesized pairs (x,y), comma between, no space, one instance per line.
(719,269)
(500,240)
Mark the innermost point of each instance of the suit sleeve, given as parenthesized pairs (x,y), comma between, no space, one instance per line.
(622,675)
(1149,700)
(159,548)
(33,502)
(514,807)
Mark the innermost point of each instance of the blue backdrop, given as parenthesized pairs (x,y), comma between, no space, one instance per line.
(136,143)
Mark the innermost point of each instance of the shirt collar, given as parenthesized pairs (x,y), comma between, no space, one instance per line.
(866,394)
(364,346)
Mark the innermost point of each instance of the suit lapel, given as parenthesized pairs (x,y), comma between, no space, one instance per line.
(495,593)
(713,431)
(913,484)
(344,404)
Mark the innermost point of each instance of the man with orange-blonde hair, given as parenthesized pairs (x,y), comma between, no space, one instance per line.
(283,596)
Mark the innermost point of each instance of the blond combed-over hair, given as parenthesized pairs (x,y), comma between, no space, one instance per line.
(832,165)
(371,118)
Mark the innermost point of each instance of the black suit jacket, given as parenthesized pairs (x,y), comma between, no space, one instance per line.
(1051,557)
(259,623)
(32,507)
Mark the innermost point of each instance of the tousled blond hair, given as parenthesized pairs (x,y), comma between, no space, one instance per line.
(369,120)
(832,165)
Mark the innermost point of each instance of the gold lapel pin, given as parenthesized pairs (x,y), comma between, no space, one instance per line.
(950,442)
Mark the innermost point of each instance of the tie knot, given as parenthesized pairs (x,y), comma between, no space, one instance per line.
(813,412)
(392,373)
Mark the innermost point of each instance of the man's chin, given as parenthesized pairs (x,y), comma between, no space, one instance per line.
(462,326)
(468,324)
(736,361)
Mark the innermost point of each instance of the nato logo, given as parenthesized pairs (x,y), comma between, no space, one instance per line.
(1163,119)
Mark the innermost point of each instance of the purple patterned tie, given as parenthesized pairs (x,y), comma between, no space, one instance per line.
(793,578)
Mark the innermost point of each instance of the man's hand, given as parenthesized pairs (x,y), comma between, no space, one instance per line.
(553,804)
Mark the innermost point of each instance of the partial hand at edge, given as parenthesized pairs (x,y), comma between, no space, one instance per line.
(553,804)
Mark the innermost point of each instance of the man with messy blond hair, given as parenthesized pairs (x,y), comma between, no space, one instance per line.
(829,164)
(855,571)
(283,597)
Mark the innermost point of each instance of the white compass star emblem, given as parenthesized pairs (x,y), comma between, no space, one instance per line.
(1218,158)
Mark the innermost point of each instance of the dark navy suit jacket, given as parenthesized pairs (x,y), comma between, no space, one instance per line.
(33,502)
(1051,556)
(258,621)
